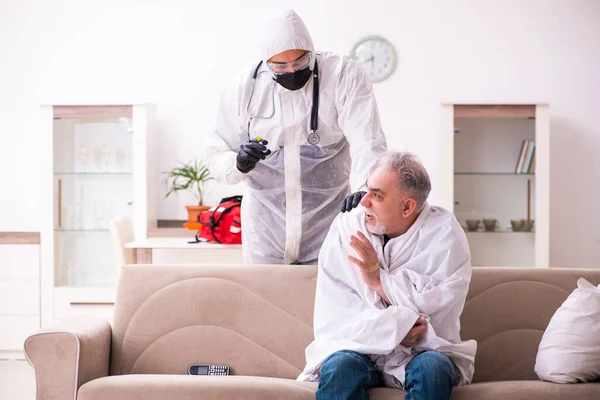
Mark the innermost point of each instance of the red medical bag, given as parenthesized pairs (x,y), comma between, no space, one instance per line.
(222,224)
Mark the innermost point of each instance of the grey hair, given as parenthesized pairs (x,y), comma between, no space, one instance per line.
(412,175)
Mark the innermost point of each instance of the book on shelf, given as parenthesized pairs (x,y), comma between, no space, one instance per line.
(526,160)
(532,165)
(521,156)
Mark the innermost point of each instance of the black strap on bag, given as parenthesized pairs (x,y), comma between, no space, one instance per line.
(212,224)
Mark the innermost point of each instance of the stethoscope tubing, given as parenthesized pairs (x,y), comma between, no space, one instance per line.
(313,137)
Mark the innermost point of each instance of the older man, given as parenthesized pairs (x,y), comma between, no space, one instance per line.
(393,277)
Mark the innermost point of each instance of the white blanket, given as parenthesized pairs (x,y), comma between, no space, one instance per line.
(426,271)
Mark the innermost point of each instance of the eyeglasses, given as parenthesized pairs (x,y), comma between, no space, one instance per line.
(279,68)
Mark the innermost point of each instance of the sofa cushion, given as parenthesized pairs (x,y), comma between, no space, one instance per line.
(186,387)
(507,311)
(570,348)
(257,320)
(526,390)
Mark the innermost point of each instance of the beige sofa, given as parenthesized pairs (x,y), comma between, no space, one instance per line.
(257,319)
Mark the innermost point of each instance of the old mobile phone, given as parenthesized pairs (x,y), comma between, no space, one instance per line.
(208,369)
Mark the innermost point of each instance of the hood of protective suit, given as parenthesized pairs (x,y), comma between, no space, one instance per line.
(284,31)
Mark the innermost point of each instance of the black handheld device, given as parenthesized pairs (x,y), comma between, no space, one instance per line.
(208,369)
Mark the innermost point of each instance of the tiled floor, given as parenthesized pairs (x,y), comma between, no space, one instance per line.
(17,381)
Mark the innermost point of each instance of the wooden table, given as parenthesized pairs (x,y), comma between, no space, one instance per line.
(179,250)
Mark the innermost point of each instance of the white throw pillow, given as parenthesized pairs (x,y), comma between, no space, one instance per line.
(570,348)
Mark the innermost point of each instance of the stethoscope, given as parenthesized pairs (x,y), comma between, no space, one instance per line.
(313,137)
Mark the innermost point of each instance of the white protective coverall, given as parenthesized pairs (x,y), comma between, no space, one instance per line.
(293,195)
(425,271)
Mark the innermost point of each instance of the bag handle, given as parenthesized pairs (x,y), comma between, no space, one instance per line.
(236,198)
(212,227)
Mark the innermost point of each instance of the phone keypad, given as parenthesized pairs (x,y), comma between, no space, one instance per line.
(218,370)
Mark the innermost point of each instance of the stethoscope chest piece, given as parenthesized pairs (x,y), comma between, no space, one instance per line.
(314,138)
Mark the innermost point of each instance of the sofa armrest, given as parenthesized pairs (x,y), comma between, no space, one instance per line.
(68,354)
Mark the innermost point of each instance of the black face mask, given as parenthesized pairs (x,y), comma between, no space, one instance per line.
(294,80)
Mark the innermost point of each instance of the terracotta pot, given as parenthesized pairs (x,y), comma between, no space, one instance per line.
(193,212)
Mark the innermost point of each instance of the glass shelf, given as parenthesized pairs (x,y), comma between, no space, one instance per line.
(92,173)
(492,173)
(507,230)
(80,230)
(93,177)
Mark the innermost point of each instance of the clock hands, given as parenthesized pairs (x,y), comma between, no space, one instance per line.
(372,59)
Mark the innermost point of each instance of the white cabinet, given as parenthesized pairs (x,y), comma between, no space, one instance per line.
(69,302)
(482,184)
(19,296)
(96,164)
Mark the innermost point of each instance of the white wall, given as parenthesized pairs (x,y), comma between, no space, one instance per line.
(178,54)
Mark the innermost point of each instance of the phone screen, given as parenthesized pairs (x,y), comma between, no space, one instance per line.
(202,370)
(198,370)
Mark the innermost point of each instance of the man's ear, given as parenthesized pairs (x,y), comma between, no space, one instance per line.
(409,206)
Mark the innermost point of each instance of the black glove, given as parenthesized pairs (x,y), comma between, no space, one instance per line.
(352,201)
(250,153)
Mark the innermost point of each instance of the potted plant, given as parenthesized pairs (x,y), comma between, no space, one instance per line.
(190,176)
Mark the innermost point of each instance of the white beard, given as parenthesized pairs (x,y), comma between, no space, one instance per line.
(378,228)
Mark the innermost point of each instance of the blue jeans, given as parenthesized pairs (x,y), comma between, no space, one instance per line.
(349,375)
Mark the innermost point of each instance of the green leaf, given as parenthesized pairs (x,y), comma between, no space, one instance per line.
(190,177)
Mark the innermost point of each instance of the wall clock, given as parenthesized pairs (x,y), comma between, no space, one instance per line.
(377,55)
